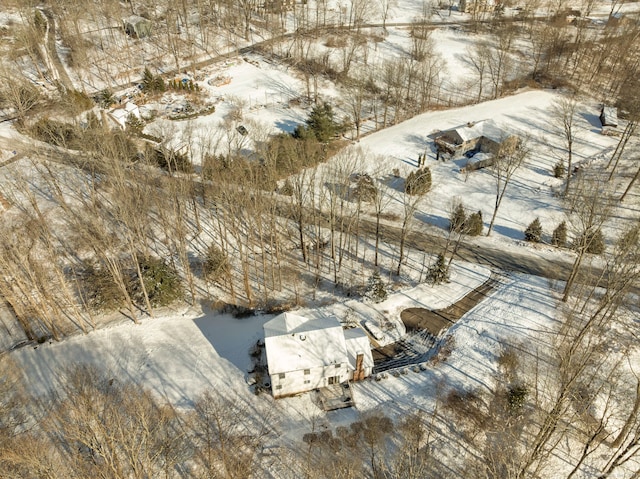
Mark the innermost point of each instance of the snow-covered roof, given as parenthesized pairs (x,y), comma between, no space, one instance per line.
(133,19)
(478,157)
(120,115)
(487,128)
(294,342)
(357,342)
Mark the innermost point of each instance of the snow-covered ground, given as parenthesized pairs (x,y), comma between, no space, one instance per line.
(182,353)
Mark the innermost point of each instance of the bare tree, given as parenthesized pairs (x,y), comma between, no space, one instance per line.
(479,56)
(510,156)
(410,205)
(591,202)
(565,111)
(228,436)
(17,93)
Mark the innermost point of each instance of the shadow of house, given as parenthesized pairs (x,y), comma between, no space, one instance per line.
(136,26)
(305,354)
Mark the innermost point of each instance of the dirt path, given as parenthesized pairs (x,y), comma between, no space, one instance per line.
(426,325)
(418,319)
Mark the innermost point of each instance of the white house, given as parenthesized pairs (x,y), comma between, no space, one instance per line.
(119,115)
(305,353)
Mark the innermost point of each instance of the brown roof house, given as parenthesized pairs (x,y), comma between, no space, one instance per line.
(481,136)
(478,141)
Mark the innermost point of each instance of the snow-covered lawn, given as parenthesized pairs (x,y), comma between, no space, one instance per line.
(182,353)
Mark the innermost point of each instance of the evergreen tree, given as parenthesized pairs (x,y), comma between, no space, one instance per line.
(134,124)
(439,272)
(593,241)
(320,124)
(458,219)
(533,232)
(418,182)
(559,170)
(559,237)
(105,98)
(151,83)
(475,224)
(376,290)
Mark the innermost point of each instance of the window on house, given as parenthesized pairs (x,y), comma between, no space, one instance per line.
(337,365)
(278,386)
(334,380)
(307,371)
(281,375)
(306,381)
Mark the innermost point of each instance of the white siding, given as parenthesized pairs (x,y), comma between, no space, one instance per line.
(295,382)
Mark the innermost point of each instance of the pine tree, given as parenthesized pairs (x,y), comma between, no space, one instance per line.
(594,242)
(321,123)
(376,290)
(439,272)
(559,170)
(533,232)
(559,237)
(147,80)
(475,224)
(151,83)
(458,219)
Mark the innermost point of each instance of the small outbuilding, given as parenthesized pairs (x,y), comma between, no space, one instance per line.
(476,6)
(609,116)
(309,353)
(136,26)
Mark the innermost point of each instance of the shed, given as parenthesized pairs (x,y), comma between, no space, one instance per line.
(609,116)
(308,353)
(137,26)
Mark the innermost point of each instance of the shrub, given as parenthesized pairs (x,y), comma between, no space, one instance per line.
(533,232)
(418,182)
(55,132)
(169,160)
(286,189)
(99,289)
(80,101)
(509,362)
(134,124)
(438,272)
(559,236)
(215,263)
(161,282)
(559,170)
(458,219)
(376,291)
(475,224)
(517,397)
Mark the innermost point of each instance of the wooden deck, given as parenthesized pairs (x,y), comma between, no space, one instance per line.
(337,396)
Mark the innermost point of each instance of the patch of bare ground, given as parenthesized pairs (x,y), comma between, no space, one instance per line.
(428,325)
(419,319)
